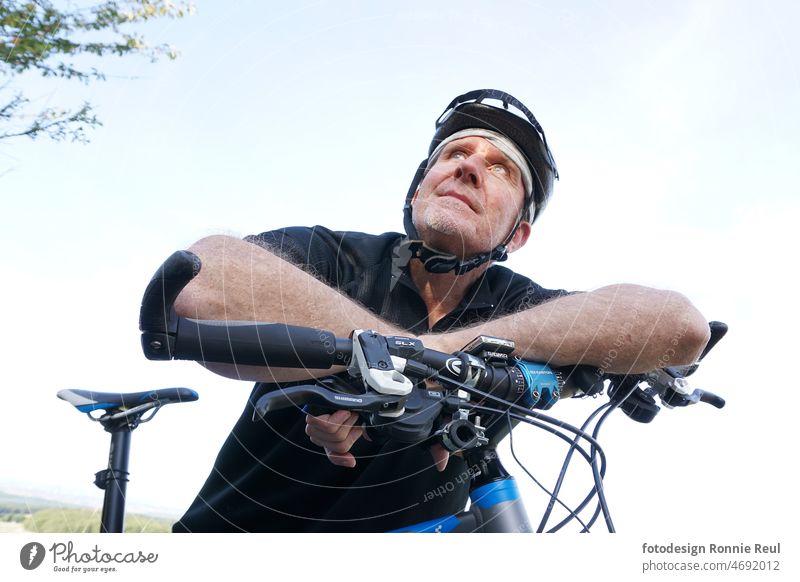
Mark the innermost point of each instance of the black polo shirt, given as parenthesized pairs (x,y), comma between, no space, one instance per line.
(269,477)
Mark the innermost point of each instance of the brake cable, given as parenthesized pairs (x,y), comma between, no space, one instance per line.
(562,475)
(598,488)
(574,447)
(572,513)
(580,433)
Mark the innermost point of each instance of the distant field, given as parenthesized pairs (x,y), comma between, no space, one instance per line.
(10,503)
(38,515)
(86,521)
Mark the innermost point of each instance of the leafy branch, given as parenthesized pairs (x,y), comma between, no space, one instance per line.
(36,36)
(57,124)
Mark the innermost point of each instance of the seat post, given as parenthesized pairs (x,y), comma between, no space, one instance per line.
(114,480)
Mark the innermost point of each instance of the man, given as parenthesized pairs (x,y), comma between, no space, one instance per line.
(487,177)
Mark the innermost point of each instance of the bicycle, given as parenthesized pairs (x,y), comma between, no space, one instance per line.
(481,379)
(120,414)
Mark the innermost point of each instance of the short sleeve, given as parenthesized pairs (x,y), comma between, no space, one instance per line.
(517,292)
(313,249)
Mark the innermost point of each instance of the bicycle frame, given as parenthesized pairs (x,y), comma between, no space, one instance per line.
(495,502)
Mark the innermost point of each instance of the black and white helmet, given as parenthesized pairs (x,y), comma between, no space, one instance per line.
(497,111)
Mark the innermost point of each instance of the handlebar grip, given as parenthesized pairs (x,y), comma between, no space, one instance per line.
(265,344)
(156,314)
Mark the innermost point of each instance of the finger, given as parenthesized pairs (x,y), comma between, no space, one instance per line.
(348,426)
(334,443)
(365,433)
(332,423)
(341,460)
(440,457)
(355,433)
(323,433)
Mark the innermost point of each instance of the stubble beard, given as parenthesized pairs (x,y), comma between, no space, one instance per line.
(443,224)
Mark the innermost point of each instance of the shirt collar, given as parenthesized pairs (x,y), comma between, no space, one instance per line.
(479,296)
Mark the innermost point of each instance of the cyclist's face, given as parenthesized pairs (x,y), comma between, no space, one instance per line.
(470,199)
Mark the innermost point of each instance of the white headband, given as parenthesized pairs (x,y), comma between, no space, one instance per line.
(501,142)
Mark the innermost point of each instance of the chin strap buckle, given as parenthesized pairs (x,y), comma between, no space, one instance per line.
(439,262)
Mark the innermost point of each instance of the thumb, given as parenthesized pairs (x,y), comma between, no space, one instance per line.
(440,457)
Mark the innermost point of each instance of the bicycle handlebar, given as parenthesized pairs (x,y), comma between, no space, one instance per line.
(256,344)
(382,362)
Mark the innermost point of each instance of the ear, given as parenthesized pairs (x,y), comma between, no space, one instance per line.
(520,237)
(414,197)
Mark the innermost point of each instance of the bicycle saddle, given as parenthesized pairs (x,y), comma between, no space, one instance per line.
(88,400)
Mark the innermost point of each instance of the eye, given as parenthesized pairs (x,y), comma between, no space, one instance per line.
(457,155)
(499,169)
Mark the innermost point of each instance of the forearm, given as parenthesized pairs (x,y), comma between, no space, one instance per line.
(621,329)
(242,281)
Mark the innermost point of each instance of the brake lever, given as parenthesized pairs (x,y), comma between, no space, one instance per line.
(674,390)
(310,394)
(673,398)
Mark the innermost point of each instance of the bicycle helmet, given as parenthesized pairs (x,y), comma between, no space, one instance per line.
(511,119)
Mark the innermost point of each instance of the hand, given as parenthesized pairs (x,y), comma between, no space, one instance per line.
(440,457)
(336,433)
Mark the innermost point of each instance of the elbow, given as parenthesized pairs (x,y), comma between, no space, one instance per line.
(201,298)
(190,304)
(692,332)
(697,339)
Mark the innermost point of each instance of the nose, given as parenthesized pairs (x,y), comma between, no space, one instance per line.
(469,170)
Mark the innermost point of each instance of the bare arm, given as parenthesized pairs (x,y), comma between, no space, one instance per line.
(243,281)
(622,328)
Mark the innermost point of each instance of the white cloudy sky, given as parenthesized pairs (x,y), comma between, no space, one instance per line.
(674,126)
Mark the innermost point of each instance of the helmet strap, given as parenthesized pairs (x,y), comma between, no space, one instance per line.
(438,262)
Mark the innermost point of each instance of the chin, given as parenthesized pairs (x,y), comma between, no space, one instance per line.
(448,231)
(446,223)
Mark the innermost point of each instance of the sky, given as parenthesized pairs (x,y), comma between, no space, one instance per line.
(674,126)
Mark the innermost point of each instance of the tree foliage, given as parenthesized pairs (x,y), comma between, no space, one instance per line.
(38,37)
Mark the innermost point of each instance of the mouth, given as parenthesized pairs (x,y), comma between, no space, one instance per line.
(462,197)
